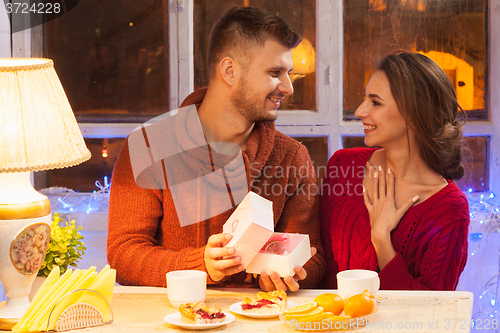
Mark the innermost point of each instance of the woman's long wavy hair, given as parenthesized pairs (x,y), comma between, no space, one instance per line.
(428,102)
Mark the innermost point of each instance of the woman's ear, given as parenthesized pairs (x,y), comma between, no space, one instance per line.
(227,70)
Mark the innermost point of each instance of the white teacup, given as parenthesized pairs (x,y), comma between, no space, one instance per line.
(188,286)
(355,281)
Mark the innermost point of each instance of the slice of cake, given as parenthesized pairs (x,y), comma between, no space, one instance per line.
(265,303)
(199,313)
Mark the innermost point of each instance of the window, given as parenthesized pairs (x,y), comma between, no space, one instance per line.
(115,71)
(450,32)
(301,14)
(83,177)
(321,111)
(453,34)
(317,147)
(112,59)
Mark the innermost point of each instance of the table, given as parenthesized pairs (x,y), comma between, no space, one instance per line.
(142,309)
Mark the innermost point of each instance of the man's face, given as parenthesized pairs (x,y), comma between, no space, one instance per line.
(264,83)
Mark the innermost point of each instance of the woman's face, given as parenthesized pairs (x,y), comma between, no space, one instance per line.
(383,124)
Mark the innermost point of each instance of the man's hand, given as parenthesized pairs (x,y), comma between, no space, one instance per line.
(269,282)
(217,267)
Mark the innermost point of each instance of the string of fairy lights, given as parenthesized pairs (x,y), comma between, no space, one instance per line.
(484,213)
(70,201)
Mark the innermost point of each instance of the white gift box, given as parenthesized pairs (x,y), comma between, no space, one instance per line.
(251,225)
(299,252)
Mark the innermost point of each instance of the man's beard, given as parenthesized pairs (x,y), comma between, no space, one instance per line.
(247,106)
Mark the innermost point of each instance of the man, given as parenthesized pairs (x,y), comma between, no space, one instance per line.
(250,56)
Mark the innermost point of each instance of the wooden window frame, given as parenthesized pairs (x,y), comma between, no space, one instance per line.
(328,119)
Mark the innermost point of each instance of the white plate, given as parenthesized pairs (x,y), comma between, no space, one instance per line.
(236,308)
(175,319)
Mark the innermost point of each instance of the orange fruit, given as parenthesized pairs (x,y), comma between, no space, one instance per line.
(369,293)
(302,308)
(359,305)
(331,303)
(304,316)
(314,317)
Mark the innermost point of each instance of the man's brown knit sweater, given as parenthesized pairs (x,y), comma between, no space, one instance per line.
(146,240)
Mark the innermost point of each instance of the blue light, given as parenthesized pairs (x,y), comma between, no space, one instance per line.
(475,236)
(482,196)
(491,195)
(492,302)
(481,222)
(470,190)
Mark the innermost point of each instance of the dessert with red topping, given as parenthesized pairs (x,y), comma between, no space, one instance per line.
(199,313)
(270,302)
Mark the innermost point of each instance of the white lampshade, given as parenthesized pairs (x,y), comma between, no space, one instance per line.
(38,130)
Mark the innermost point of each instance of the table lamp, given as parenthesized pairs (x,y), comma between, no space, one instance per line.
(38,131)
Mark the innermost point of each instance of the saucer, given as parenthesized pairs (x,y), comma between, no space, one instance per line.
(175,319)
(236,308)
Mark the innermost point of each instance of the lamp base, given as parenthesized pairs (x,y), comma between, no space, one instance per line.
(23,244)
(24,237)
(13,307)
(8,324)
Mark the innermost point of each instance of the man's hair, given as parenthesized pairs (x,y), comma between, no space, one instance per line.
(242,28)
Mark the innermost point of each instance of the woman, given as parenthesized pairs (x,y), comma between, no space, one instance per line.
(396,210)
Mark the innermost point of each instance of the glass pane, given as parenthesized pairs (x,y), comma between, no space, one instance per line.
(112,58)
(318,150)
(475,160)
(353,141)
(301,14)
(476,177)
(82,177)
(451,32)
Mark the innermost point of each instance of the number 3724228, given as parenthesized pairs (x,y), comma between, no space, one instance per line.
(35,8)
(478,324)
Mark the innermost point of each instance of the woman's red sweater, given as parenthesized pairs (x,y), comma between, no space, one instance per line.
(430,240)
